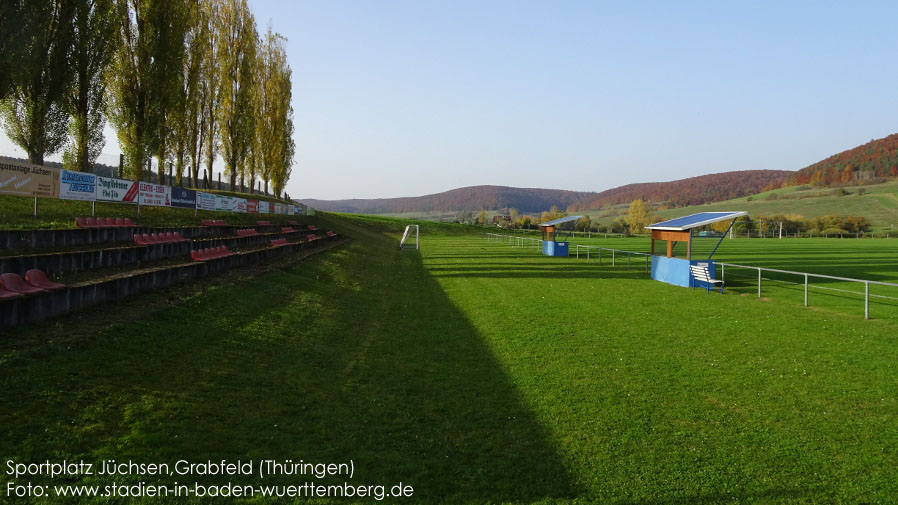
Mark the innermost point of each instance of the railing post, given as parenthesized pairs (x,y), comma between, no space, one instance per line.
(866,300)
(587,253)
(628,260)
(612,257)
(805,290)
(759,282)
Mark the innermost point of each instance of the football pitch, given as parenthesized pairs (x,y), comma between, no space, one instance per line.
(478,372)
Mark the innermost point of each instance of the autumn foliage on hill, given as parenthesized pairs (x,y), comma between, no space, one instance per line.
(470,198)
(877,158)
(691,191)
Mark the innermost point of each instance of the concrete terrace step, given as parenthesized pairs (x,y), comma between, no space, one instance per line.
(80,295)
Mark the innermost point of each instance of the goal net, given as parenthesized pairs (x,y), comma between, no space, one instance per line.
(410,236)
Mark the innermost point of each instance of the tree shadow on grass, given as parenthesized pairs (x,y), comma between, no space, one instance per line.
(357,355)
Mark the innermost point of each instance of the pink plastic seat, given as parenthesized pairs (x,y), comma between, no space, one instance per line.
(287,229)
(14,283)
(179,238)
(8,295)
(312,227)
(170,238)
(101,222)
(91,222)
(39,279)
(80,222)
(129,222)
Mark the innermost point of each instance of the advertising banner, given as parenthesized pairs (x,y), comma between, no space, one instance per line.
(252,206)
(223,203)
(291,209)
(181,197)
(278,208)
(205,201)
(77,186)
(116,190)
(25,179)
(240,205)
(155,195)
(263,208)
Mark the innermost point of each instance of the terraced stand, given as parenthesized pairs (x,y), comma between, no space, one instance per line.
(77,296)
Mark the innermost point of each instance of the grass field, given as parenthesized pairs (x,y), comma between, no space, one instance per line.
(477,373)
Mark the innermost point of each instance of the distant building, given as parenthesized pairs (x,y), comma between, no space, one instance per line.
(500,220)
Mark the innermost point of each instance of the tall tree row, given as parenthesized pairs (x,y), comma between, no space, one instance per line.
(181,81)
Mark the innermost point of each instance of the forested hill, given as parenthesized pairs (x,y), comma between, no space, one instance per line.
(471,198)
(692,191)
(877,158)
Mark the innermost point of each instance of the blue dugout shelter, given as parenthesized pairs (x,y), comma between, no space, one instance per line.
(550,229)
(676,271)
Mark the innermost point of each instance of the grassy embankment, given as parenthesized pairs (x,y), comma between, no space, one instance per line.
(475,373)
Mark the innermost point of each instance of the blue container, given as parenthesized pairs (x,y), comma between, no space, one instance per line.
(552,248)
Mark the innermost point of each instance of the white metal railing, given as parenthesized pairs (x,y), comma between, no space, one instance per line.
(806,277)
(615,253)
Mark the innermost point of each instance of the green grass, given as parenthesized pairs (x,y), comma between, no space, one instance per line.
(17,213)
(475,372)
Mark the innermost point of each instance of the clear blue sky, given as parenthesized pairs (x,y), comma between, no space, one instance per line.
(403,98)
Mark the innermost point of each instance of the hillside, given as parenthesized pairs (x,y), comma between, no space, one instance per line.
(878,203)
(877,158)
(471,198)
(691,191)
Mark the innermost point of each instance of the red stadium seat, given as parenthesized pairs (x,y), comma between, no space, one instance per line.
(311,237)
(80,222)
(312,227)
(263,223)
(8,295)
(156,239)
(119,222)
(179,238)
(287,229)
(39,279)
(294,223)
(197,255)
(101,222)
(170,238)
(331,234)
(14,283)
(91,222)
(138,239)
(129,222)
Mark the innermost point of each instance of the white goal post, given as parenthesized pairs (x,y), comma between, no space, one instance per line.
(409,230)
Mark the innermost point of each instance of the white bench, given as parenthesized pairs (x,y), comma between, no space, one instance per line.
(700,273)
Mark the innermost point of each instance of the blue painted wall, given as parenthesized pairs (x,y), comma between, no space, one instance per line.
(676,270)
(551,248)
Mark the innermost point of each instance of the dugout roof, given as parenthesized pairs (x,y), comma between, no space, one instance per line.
(695,220)
(560,220)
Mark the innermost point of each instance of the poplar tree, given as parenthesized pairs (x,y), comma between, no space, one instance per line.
(237,41)
(144,77)
(11,45)
(274,127)
(33,109)
(93,43)
(186,127)
(210,89)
